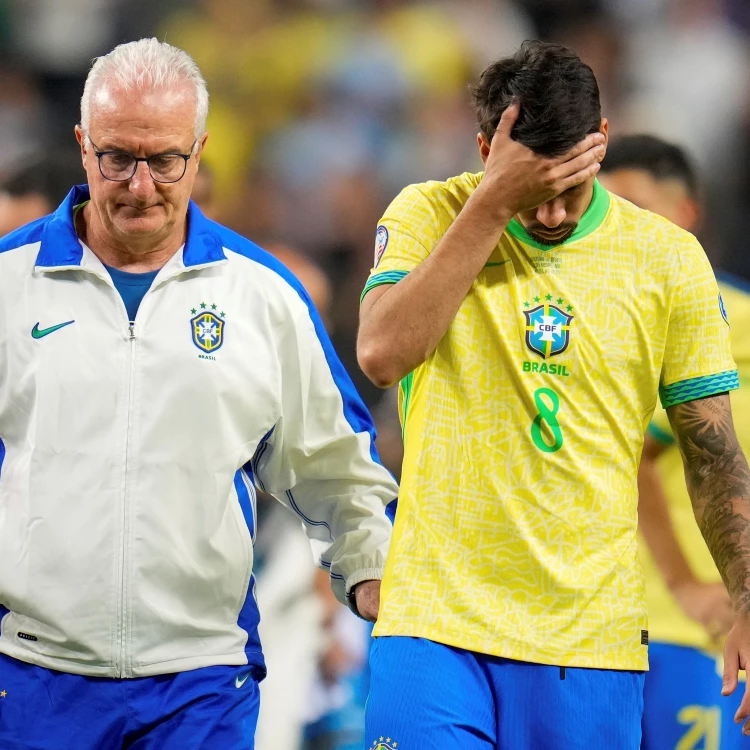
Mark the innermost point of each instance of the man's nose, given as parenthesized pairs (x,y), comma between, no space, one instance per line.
(551,214)
(141,183)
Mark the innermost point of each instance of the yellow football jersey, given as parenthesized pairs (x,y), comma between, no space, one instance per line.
(516,533)
(667,623)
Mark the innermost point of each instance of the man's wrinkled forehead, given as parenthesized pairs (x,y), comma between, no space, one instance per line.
(111,99)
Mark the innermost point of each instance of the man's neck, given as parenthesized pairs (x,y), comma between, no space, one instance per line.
(132,257)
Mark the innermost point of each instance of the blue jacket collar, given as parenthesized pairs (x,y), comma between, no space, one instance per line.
(60,247)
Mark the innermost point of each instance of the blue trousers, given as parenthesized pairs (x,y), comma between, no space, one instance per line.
(428,696)
(41,709)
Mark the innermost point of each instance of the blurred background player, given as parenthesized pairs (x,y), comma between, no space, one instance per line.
(531,317)
(36,186)
(689,608)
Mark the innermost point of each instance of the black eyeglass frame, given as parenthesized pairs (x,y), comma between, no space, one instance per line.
(147,159)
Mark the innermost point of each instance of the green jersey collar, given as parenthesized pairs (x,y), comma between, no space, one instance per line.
(590,222)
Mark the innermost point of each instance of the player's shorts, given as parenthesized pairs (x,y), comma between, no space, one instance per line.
(427,696)
(683,704)
(41,709)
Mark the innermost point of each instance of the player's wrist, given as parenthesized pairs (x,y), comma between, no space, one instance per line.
(491,206)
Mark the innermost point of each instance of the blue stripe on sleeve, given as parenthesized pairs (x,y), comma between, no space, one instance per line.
(378,279)
(695,388)
(245,497)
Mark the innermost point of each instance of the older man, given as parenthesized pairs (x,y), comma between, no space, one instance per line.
(154,368)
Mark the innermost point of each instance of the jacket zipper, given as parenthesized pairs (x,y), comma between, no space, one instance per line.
(122,628)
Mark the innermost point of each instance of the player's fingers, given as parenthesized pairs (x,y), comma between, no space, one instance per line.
(508,120)
(590,141)
(576,179)
(743,712)
(731,667)
(594,155)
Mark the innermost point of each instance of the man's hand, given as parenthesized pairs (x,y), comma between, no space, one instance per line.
(708,604)
(736,657)
(367,599)
(516,179)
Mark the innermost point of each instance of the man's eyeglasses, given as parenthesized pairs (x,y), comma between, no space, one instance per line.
(120,166)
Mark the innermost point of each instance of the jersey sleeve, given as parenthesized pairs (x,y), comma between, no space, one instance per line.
(697,358)
(320,460)
(405,236)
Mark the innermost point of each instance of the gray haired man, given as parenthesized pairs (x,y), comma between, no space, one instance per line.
(155,368)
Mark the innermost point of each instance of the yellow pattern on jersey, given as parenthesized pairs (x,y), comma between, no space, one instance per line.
(515,533)
(667,623)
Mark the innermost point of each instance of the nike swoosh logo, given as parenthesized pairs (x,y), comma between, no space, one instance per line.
(40,333)
(238,683)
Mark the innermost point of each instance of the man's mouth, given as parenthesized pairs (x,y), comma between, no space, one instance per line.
(138,208)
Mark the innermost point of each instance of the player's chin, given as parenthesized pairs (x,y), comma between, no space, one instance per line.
(550,240)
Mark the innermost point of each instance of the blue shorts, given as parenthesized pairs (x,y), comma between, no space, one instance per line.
(427,696)
(215,707)
(683,704)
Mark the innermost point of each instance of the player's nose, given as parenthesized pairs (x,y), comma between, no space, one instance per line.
(551,214)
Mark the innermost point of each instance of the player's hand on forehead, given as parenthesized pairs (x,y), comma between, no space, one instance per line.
(522,179)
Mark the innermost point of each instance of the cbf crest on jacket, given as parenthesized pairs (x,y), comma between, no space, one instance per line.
(130,453)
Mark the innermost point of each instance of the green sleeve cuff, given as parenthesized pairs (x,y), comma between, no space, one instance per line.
(662,436)
(695,388)
(378,279)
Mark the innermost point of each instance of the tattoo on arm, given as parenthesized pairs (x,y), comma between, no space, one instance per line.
(718,480)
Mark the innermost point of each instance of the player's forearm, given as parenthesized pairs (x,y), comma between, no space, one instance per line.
(402,325)
(656,526)
(718,480)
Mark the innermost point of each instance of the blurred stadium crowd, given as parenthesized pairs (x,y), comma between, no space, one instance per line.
(321,111)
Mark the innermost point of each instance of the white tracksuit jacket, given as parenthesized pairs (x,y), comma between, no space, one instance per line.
(129,455)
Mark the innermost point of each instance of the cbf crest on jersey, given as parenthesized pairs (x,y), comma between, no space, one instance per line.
(548,326)
(207,327)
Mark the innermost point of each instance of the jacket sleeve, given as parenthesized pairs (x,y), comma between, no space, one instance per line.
(320,460)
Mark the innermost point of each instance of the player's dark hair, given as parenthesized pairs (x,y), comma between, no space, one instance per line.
(662,160)
(50,175)
(557,91)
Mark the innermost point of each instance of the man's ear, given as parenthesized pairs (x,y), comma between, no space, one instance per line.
(484,147)
(81,138)
(604,130)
